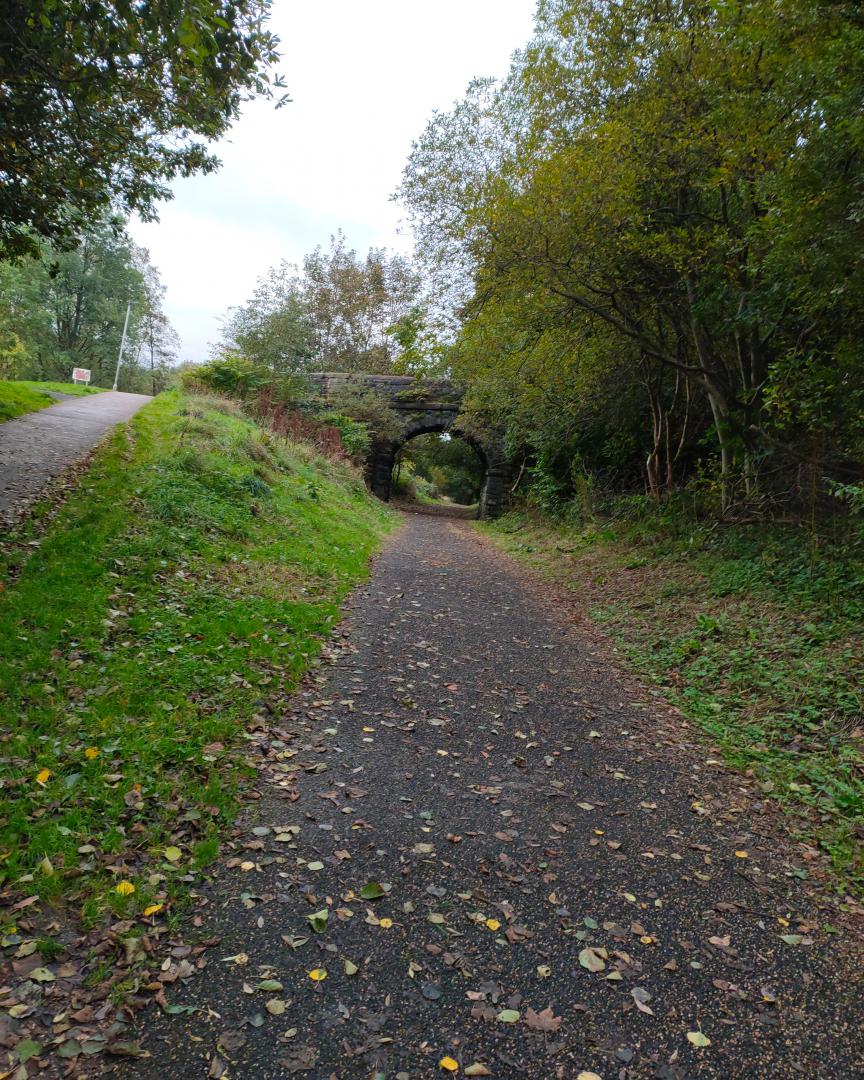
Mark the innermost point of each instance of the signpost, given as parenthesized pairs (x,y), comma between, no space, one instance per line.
(80,375)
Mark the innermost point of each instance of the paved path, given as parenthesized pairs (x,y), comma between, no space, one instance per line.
(572,882)
(38,446)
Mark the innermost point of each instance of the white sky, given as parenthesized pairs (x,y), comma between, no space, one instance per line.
(364,77)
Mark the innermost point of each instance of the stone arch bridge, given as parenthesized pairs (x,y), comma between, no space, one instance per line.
(424,405)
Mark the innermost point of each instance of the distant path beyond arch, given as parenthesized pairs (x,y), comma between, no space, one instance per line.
(425,405)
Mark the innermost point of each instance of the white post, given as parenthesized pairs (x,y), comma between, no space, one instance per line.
(122,346)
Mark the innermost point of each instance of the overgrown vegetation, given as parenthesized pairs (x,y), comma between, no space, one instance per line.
(184,587)
(755,633)
(17,398)
(658,221)
(292,404)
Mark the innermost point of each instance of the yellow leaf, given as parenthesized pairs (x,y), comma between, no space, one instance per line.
(742,854)
(386,923)
(449,1064)
(172,854)
(151,909)
(698,1039)
(42,776)
(318,974)
(493,924)
(350,967)
(91,752)
(125,888)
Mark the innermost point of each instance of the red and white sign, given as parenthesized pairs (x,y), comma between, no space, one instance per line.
(80,374)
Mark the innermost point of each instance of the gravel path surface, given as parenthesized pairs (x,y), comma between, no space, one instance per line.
(39,446)
(571,881)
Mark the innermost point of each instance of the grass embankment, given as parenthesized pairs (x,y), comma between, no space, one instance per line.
(18,397)
(182,589)
(756,633)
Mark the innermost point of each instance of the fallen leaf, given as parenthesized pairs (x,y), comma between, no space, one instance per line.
(318,974)
(698,1039)
(318,920)
(593,959)
(26,1049)
(372,890)
(449,1064)
(508,1016)
(542,1021)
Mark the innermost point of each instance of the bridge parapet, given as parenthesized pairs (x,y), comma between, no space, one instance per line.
(404,392)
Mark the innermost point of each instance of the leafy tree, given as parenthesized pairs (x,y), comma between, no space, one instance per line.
(352,302)
(67,309)
(105,101)
(274,329)
(660,215)
(339,312)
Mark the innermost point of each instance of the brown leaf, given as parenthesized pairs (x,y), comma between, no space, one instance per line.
(542,1021)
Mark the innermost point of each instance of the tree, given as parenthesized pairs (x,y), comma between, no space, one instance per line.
(663,195)
(339,312)
(273,329)
(67,309)
(352,303)
(105,101)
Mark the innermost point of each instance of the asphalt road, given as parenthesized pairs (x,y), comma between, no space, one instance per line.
(571,881)
(37,447)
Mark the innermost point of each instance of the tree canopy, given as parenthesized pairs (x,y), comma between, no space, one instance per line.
(657,221)
(62,309)
(338,312)
(105,101)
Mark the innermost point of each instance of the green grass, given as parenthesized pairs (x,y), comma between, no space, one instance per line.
(21,396)
(183,589)
(754,632)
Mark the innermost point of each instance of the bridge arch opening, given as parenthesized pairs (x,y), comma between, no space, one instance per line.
(441,467)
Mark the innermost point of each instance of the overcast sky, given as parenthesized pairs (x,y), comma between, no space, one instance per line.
(364,76)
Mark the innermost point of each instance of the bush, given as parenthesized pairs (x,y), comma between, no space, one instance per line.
(355,435)
(382,423)
(233,375)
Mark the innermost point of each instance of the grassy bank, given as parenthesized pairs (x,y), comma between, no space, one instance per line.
(20,396)
(756,633)
(181,590)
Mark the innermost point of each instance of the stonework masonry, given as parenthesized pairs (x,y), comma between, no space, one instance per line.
(425,405)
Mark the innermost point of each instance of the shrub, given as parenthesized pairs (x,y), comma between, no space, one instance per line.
(233,375)
(382,423)
(355,434)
